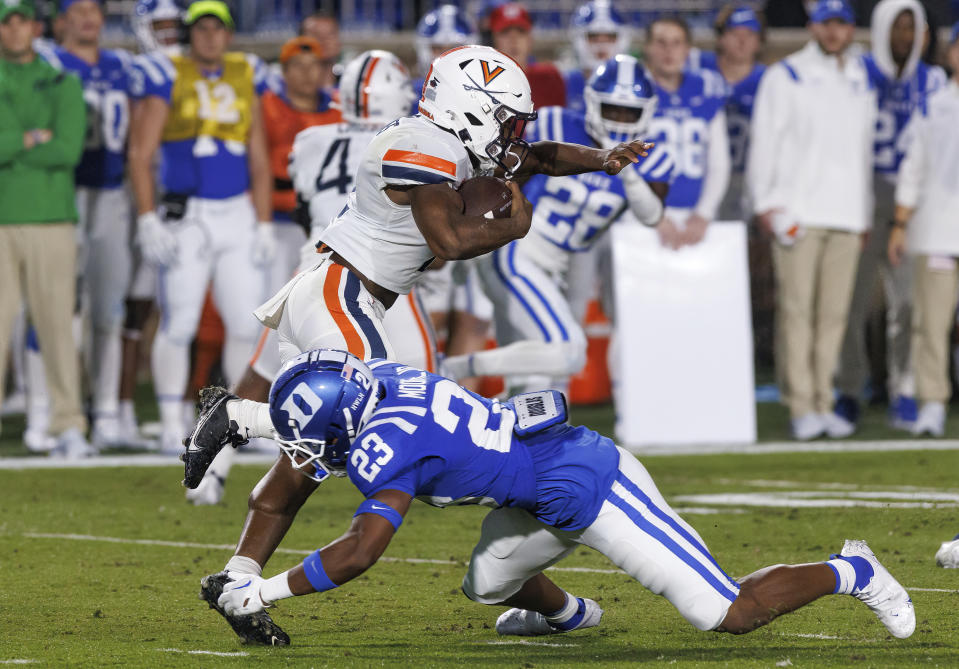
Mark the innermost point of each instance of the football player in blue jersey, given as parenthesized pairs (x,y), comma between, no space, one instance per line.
(438,31)
(102,200)
(599,32)
(201,113)
(538,331)
(902,82)
(690,122)
(739,37)
(400,433)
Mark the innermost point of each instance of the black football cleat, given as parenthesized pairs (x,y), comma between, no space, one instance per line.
(213,431)
(256,628)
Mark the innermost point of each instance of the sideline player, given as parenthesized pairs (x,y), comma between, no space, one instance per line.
(399,432)
(322,168)
(691,123)
(538,332)
(903,82)
(402,214)
(303,103)
(599,32)
(102,200)
(202,112)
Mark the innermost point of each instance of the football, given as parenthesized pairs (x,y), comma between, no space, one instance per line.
(489,197)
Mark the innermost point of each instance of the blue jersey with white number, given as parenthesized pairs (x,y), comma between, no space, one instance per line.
(107,92)
(898,99)
(681,124)
(573,211)
(444,445)
(739,107)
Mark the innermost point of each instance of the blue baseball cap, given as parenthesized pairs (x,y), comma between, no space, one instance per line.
(954,34)
(832,9)
(743,17)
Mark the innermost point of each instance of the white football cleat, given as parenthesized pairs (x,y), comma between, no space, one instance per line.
(105,432)
(948,554)
(836,426)
(883,594)
(521,622)
(808,426)
(72,445)
(38,441)
(208,493)
(931,420)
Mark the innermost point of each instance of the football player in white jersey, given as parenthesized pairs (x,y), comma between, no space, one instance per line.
(538,331)
(404,211)
(375,89)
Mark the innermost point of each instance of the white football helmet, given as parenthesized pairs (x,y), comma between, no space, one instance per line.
(145,14)
(598,17)
(446,26)
(481,96)
(619,82)
(375,89)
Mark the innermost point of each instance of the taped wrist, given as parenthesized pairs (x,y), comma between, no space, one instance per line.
(381,509)
(643,202)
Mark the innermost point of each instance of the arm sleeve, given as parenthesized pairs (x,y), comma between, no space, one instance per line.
(718,165)
(770,116)
(911,171)
(69,126)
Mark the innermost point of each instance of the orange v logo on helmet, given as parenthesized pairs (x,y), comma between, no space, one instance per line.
(489,75)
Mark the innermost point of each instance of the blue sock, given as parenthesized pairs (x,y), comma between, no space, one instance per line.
(852,573)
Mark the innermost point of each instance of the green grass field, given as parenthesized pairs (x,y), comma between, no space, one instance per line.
(69,597)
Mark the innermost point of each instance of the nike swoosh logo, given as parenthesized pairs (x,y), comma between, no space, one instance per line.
(378,508)
(240,587)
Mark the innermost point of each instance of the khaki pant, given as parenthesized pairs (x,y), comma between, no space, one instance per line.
(854,362)
(38,261)
(936,283)
(814,281)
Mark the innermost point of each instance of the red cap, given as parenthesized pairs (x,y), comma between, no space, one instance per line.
(510,15)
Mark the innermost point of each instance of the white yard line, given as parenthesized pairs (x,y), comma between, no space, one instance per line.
(215,653)
(19,661)
(294,551)
(157,460)
(521,642)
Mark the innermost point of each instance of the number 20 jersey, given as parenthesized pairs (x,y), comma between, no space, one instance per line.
(572,212)
(377,236)
(107,88)
(434,440)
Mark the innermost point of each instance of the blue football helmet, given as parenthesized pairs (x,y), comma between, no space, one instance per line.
(444,27)
(319,402)
(146,13)
(619,82)
(598,17)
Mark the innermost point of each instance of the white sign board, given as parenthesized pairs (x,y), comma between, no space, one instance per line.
(684,353)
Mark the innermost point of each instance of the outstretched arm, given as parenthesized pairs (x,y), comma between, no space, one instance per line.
(343,560)
(558,159)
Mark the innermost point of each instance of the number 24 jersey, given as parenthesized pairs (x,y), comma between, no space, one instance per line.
(433,439)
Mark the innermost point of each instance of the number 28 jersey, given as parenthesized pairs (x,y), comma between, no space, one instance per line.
(374,234)
(434,440)
(573,211)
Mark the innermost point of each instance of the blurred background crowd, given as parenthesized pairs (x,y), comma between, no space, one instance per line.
(830,128)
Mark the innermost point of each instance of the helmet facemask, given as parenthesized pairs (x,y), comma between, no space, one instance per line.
(509,149)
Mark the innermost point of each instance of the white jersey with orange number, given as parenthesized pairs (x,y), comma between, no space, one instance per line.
(376,235)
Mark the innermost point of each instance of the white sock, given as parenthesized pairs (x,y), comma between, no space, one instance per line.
(105,371)
(171,415)
(252,418)
(220,467)
(127,412)
(565,613)
(170,363)
(521,357)
(236,357)
(243,565)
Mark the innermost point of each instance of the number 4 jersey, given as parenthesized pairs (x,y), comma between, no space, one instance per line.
(431,438)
